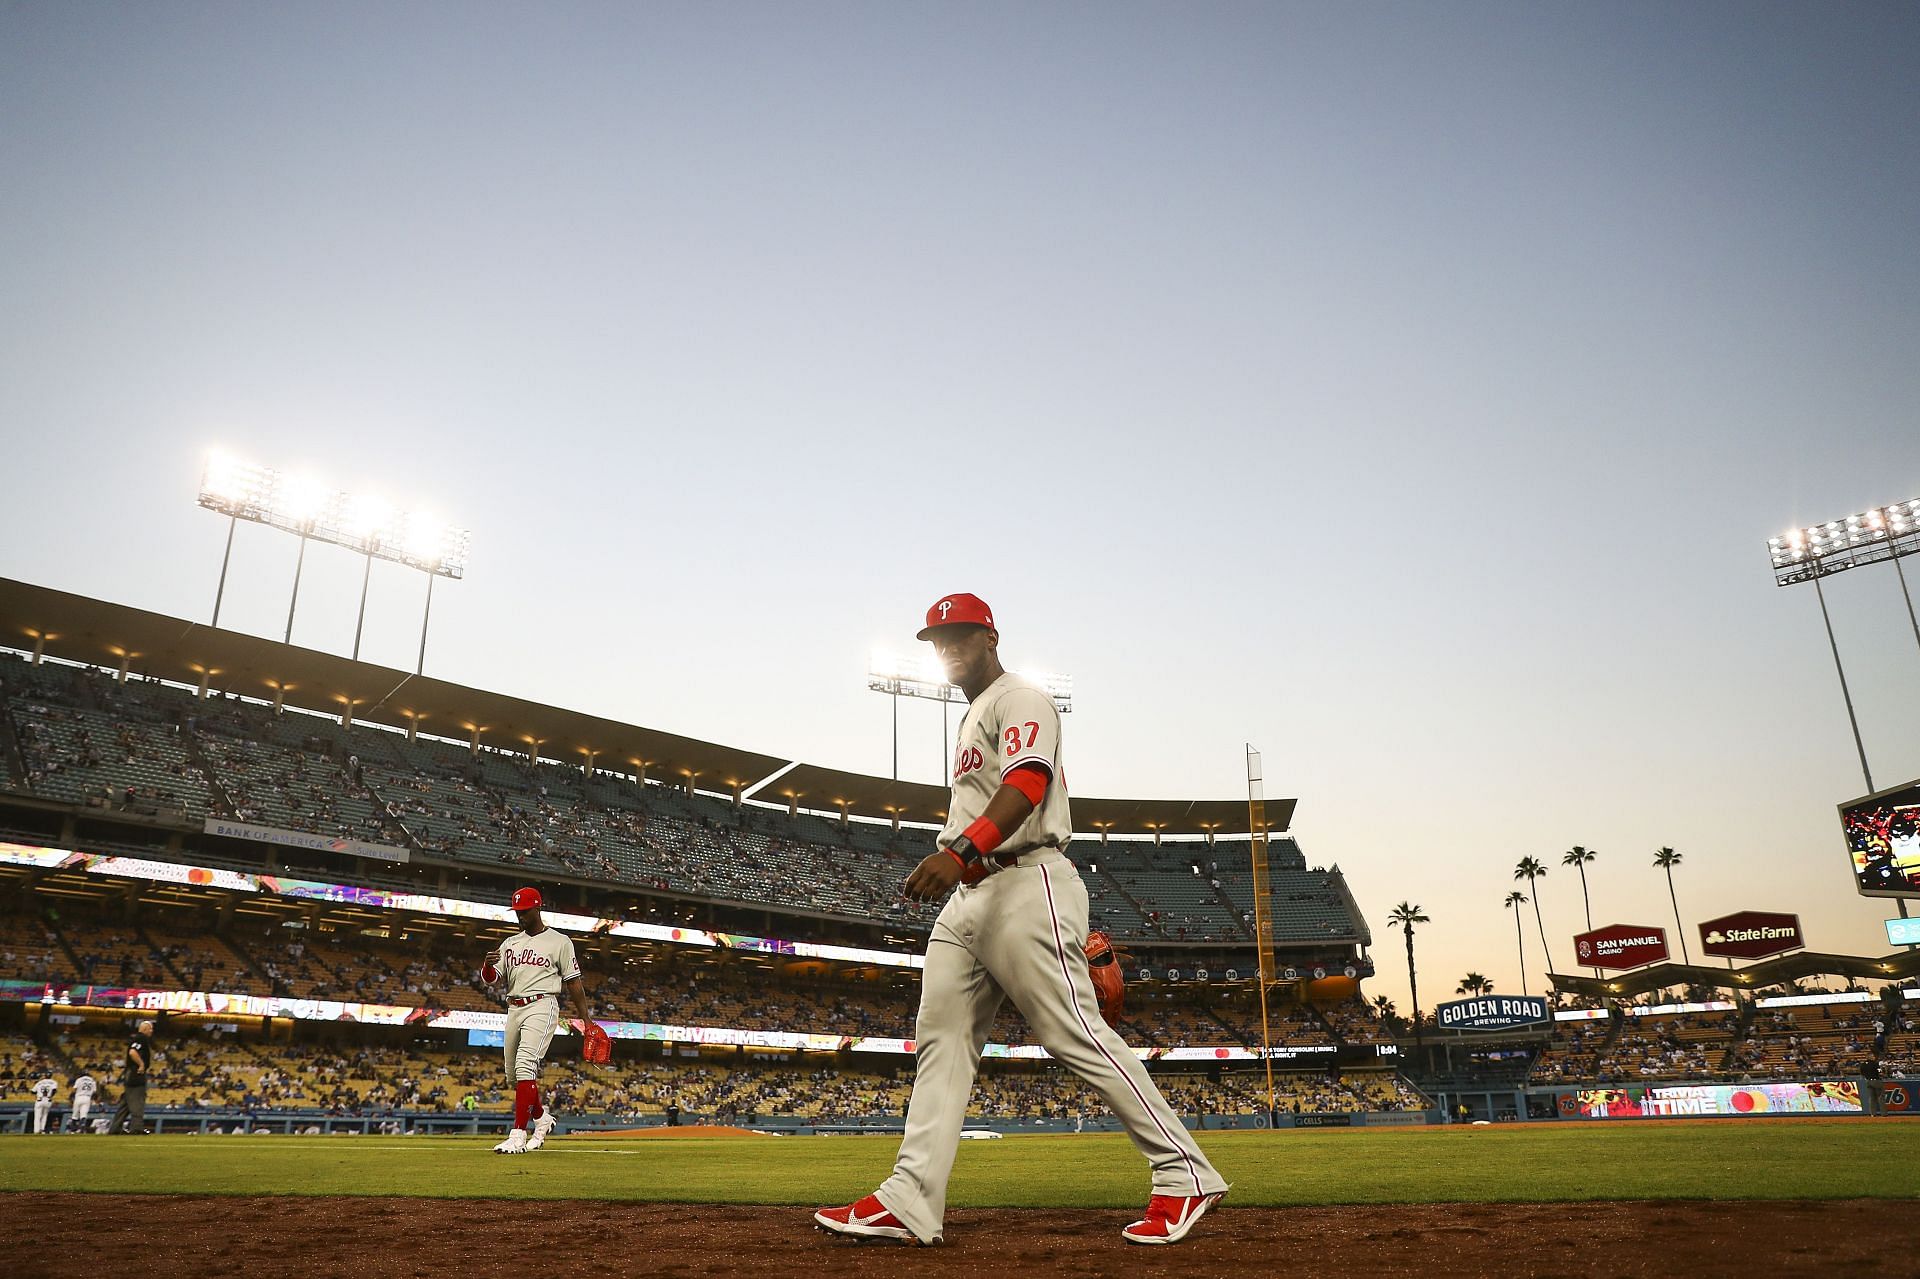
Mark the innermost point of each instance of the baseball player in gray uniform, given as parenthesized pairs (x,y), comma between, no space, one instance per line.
(534,965)
(1015,928)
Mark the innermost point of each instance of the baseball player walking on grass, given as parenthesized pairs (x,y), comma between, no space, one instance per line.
(1015,928)
(533,966)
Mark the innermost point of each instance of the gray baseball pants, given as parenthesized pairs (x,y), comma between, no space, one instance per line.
(1020,934)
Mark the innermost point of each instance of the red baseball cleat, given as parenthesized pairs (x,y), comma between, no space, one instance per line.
(1169,1217)
(867,1219)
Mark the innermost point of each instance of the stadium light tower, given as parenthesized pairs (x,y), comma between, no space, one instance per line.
(1821,550)
(305,506)
(1887,533)
(900,677)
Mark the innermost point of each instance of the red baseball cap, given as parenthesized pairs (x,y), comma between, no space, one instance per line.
(526,899)
(957,610)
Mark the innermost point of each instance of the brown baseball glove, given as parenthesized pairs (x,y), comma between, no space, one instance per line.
(596,1046)
(1109,983)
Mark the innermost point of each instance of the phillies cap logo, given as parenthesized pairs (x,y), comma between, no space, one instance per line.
(959,609)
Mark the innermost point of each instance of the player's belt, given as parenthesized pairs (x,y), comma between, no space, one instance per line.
(1008,859)
(521,1001)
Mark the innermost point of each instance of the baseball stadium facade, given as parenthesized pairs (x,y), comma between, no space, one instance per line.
(294,861)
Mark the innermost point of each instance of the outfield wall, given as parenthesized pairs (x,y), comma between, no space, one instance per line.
(18,1119)
(1681,1099)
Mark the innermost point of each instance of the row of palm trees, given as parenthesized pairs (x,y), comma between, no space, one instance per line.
(1532,870)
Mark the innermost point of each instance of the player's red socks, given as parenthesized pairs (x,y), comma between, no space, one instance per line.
(526,1103)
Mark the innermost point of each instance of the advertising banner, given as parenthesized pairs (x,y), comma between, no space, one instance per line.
(304,839)
(426,904)
(1903,932)
(1491,1012)
(1839,1097)
(1751,934)
(1900,1097)
(1621,946)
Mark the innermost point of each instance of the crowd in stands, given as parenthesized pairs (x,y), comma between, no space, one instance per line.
(22,1065)
(195,1069)
(85,736)
(1572,1052)
(1672,1046)
(164,948)
(1815,1041)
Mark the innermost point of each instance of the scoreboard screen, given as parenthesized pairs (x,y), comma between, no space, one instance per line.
(1883,841)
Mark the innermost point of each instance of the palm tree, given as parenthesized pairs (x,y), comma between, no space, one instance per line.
(1473,984)
(1579,858)
(1666,859)
(1407,915)
(1531,869)
(1515,900)
(1383,1007)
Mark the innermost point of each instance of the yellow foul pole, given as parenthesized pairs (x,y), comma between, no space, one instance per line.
(1262,907)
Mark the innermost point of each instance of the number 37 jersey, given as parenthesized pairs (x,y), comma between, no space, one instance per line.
(1010,724)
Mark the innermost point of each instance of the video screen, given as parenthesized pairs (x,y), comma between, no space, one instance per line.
(1883,839)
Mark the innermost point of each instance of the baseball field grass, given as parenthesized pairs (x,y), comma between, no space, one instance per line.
(1784,1159)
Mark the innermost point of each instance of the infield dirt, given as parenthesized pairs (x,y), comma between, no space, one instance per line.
(62,1235)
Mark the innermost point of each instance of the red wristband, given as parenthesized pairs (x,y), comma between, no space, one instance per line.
(964,863)
(983,835)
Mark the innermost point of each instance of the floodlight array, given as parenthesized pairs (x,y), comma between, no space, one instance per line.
(911,677)
(1867,538)
(920,677)
(306,505)
(1058,687)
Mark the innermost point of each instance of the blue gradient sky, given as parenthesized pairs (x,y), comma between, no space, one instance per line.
(1407,390)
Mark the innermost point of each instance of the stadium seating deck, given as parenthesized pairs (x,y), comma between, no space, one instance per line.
(86,739)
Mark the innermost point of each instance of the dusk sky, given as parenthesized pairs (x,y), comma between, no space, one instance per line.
(1408,390)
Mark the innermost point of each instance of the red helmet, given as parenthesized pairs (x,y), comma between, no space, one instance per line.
(526,899)
(957,610)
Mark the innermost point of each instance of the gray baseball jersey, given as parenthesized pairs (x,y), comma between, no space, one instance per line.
(538,964)
(532,966)
(1020,933)
(1010,724)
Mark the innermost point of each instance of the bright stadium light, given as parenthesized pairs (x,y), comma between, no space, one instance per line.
(369,519)
(234,487)
(901,677)
(304,499)
(1058,687)
(424,538)
(1821,550)
(308,507)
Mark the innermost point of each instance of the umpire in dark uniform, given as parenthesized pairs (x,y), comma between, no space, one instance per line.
(130,1116)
